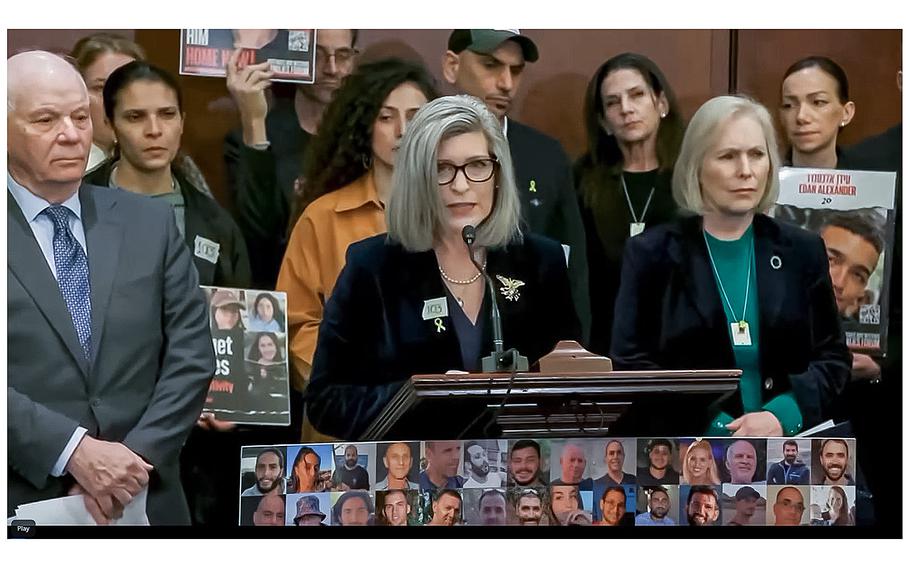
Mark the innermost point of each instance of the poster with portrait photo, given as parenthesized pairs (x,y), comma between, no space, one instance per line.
(529,462)
(263,469)
(615,466)
(308,510)
(789,461)
(251,384)
(832,505)
(787,505)
(267,387)
(441,465)
(652,510)
(703,508)
(267,311)
(397,465)
(291,53)
(529,506)
(571,461)
(570,505)
(353,466)
(485,507)
(309,468)
(397,507)
(853,212)
(743,505)
(485,464)
(262,511)
(353,508)
(440,507)
(701,460)
(658,462)
(833,461)
(744,461)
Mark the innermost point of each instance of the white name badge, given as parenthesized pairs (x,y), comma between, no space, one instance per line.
(741,335)
(636,229)
(207,250)
(435,308)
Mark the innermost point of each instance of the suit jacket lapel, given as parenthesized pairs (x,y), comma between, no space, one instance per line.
(698,274)
(27,262)
(103,234)
(418,276)
(770,251)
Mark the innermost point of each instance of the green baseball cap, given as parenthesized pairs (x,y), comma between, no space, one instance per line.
(485,42)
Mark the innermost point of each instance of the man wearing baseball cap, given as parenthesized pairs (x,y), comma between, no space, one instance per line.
(489,65)
(746,500)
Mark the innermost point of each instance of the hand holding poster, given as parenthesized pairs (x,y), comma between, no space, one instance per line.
(291,53)
(249,336)
(853,212)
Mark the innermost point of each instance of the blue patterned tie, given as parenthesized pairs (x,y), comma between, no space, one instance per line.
(72,275)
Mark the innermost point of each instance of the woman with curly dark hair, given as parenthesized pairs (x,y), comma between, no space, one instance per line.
(634,132)
(348,173)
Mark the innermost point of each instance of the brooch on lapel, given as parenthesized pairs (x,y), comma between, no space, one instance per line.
(510,288)
(533,186)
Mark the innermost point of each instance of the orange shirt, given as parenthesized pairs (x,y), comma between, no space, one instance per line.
(314,259)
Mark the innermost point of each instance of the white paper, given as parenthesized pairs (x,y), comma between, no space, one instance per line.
(819,428)
(843,190)
(71,511)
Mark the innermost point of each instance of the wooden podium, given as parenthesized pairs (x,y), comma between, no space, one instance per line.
(541,405)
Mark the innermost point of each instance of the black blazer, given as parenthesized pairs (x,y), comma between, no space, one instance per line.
(551,209)
(373,337)
(205,218)
(669,313)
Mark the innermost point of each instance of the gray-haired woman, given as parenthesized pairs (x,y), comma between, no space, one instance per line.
(412,301)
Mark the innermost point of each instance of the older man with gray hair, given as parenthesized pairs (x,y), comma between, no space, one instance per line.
(110,355)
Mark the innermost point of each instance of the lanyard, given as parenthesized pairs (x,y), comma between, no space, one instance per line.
(742,320)
(644,211)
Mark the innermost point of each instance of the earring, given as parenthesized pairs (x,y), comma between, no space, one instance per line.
(367,161)
(843,124)
(663,115)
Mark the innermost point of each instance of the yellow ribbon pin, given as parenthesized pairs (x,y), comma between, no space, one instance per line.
(439,327)
(533,187)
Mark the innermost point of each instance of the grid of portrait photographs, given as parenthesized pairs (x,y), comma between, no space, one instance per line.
(540,482)
(249,336)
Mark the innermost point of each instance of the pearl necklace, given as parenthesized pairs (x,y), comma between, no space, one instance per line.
(471,280)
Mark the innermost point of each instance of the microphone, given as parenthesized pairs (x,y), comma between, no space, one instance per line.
(500,359)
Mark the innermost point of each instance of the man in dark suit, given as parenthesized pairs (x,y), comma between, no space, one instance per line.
(488,64)
(110,355)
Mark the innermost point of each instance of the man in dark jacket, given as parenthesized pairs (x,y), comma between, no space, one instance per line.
(488,64)
(264,157)
(790,470)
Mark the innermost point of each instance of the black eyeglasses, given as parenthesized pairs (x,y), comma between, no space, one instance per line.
(477,171)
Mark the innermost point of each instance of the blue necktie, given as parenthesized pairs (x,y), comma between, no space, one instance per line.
(72,275)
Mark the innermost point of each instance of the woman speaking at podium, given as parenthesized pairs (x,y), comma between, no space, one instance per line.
(729,288)
(413,302)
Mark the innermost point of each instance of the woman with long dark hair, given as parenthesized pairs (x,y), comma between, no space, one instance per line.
(348,173)
(634,132)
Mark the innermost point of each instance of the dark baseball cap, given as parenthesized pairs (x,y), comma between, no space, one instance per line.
(485,42)
(746,493)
